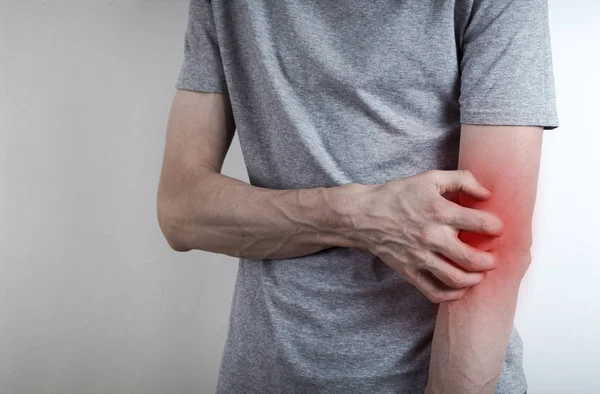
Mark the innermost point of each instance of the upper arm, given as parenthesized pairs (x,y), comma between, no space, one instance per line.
(506,160)
(199,133)
(506,100)
(201,125)
(506,65)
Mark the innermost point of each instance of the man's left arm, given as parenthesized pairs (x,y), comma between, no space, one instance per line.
(471,334)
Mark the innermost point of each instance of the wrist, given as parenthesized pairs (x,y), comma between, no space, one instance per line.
(343,205)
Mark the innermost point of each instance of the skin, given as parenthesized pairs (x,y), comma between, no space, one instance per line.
(443,246)
(406,222)
(472,333)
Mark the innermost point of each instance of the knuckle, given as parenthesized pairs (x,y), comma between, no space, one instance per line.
(437,297)
(433,175)
(454,296)
(434,296)
(467,260)
(456,281)
(440,213)
(427,236)
(403,268)
(473,263)
(431,207)
(468,175)
(407,273)
(421,258)
(428,261)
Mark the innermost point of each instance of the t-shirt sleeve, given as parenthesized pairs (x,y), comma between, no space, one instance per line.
(506,65)
(202,68)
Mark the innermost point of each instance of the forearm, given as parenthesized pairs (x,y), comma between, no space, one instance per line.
(471,334)
(225,215)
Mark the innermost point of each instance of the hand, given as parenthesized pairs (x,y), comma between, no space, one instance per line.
(412,228)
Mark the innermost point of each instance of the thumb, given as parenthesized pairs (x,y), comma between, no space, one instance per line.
(460,181)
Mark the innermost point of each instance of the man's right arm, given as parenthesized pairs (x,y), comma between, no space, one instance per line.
(199,208)
(405,222)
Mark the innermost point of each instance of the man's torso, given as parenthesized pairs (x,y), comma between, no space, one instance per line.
(326,93)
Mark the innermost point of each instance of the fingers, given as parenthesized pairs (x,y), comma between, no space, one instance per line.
(474,220)
(435,291)
(451,275)
(466,256)
(459,181)
(444,240)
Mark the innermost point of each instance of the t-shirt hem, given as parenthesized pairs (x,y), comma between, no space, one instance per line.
(503,118)
(198,85)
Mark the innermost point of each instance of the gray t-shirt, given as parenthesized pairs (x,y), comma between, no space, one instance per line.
(326,93)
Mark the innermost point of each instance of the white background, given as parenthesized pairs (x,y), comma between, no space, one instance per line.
(92,300)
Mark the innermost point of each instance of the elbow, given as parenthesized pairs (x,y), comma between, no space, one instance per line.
(518,243)
(177,246)
(515,255)
(169,228)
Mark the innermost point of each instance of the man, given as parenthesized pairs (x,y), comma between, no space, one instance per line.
(393,150)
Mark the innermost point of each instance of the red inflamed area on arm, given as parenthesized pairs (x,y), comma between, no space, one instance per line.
(506,162)
(513,208)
